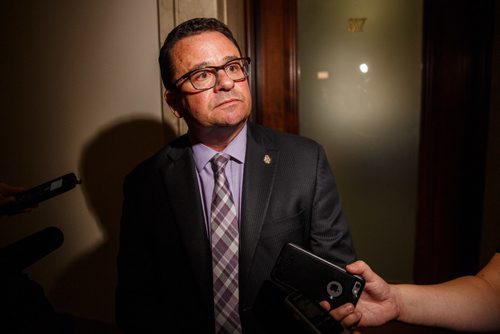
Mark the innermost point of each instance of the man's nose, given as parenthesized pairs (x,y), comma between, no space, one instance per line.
(224,82)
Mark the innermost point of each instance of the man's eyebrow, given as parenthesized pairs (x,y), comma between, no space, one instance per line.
(198,66)
(229,58)
(204,64)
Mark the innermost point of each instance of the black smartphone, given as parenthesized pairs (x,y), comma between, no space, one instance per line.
(31,197)
(314,319)
(315,277)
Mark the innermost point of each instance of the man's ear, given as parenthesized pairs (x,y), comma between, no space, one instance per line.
(173,100)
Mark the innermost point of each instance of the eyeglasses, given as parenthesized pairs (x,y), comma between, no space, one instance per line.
(207,77)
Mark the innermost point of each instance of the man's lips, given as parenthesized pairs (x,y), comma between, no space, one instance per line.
(228,101)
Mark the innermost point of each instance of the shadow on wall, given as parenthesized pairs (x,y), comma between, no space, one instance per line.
(87,287)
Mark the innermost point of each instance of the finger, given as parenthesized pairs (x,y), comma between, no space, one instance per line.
(325,305)
(351,320)
(357,267)
(8,190)
(363,269)
(341,312)
(7,199)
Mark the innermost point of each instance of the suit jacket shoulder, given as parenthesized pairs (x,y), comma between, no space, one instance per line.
(164,156)
(274,139)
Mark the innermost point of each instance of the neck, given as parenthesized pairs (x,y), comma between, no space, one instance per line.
(216,138)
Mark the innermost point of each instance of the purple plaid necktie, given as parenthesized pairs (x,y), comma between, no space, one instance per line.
(225,247)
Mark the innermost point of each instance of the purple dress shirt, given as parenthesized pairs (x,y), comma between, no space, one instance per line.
(234,171)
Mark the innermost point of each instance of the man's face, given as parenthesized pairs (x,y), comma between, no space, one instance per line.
(228,104)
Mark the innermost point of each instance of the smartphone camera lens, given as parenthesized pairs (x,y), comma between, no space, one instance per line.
(356,288)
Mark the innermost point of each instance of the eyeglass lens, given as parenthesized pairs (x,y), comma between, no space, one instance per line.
(207,77)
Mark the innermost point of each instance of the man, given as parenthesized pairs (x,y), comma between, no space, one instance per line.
(469,303)
(180,210)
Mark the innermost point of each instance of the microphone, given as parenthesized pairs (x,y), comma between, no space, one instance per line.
(31,197)
(23,253)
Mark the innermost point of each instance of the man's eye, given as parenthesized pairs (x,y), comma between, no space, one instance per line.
(233,68)
(201,75)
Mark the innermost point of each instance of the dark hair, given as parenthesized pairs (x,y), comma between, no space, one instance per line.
(189,28)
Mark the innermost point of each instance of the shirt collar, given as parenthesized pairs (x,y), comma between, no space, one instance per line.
(236,149)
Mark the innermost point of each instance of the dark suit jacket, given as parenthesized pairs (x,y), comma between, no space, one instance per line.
(164,261)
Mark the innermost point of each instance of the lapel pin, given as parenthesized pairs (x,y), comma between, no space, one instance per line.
(267,159)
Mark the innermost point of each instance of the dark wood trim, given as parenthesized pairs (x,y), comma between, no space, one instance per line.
(250,48)
(455,109)
(272,32)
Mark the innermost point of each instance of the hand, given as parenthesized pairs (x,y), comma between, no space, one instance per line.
(377,304)
(7,196)
(7,193)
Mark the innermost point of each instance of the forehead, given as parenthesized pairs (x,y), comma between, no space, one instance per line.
(207,48)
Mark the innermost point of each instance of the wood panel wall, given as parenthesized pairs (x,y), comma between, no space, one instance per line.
(272,31)
(454,126)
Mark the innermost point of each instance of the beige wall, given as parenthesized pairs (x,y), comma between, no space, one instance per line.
(81,92)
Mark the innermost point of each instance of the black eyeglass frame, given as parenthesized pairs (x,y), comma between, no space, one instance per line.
(187,76)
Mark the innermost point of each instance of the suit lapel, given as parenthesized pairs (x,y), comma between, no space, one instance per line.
(258,180)
(182,189)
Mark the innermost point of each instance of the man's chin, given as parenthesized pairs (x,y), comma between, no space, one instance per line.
(231,124)
(233,119)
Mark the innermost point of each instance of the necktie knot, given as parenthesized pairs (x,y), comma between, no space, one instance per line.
(219,162)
